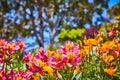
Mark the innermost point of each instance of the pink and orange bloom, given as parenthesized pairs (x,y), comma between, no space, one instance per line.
(58,60)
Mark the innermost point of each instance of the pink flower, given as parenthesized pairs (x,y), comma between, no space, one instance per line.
(111,33)
(73,59)
(70,46)
(41,55)
(34,68)
(23,75)
(21,44)
(11,74)
(2,75)
(26,74)
(27,57)
(58,60)
(2,43)
(12,46)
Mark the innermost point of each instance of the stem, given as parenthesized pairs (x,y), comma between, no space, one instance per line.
(3,66)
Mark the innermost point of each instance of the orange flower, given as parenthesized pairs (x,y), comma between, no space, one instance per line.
(35,77)
(88,48)
(118,47)
(91,41)
(77,70)
(40,63)
(108,58)
(107,46)
(110,70)
(19,78)
(1,74)
(82,54)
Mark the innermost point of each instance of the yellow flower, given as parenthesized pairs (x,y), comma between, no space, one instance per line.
(108,58)
(49,53)
(48,69)
(110,70)
(58,56)
(40,62)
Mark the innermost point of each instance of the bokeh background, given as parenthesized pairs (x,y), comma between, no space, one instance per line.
(49,23)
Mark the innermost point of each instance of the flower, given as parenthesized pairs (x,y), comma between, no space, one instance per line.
(115,54)
(89,41)
(39,63)
(48,69)
(35,77)
(73,59)
(34,68)
(108,58)
(2,75)
(77,69)
(118,47)
(12,46)
(58,60)
(19,78)
(41,54)
(70,46)
(111,33)
(11,74)
(3,44)
(49,53)
(106,46)
(21,75)
(110,70)
(87,48)
(27,57)
(21,44)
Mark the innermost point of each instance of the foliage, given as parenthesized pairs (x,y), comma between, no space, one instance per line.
(71,35)
(114,11)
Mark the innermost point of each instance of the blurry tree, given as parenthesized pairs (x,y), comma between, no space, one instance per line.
(38,18)
(113,25)
(114,19)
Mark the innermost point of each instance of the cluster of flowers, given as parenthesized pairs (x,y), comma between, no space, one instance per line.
(49,61)
(7,48)
(10,52)
(70,59)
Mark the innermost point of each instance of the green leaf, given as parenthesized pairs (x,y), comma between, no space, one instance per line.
(60,76)
(78,76)
(74,74)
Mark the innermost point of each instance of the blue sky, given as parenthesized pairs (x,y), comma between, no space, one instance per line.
(113,2)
